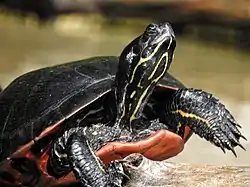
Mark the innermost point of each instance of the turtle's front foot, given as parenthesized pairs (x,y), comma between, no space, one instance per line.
(206,116)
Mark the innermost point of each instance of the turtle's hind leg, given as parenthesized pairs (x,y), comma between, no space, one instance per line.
(72,151)
(205,115)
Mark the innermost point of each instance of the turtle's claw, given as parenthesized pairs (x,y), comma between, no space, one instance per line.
(207,117)
(243,137)
(223,149)
(224,132)
(241,146)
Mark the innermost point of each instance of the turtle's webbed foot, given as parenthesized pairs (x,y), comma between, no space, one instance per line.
(207,117)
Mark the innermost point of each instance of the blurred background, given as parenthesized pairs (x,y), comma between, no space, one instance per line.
(212,53)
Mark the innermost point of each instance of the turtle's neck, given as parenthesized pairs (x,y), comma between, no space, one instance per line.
(126,96)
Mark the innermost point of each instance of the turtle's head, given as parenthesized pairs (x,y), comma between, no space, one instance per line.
(141,65)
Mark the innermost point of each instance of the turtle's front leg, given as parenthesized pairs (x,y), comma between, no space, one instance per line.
(72,151)
(205,115)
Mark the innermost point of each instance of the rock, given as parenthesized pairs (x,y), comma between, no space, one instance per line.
(163,174)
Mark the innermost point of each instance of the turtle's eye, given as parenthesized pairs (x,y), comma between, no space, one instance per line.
(151,29)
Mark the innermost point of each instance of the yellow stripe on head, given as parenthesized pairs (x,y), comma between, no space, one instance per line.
(144,94)
(143,60)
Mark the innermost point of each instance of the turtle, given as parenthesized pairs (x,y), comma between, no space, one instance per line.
(78,120)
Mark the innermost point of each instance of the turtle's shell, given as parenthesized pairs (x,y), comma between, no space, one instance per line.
(40,99)
(34,105)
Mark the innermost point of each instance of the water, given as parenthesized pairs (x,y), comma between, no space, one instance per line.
(223,71)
